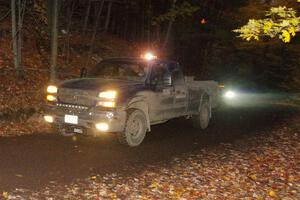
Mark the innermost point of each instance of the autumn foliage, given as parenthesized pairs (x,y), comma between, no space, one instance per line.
(281,22)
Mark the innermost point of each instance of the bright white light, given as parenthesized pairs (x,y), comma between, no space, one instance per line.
(149,56)
(102,126)
(52,89)
(230,95)
(48,118)
(111,94)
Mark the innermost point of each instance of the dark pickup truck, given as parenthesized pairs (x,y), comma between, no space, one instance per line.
(126,96)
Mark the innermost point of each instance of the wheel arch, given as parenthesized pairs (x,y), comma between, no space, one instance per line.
(143,107)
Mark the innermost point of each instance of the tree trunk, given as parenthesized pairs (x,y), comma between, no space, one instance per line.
(19,34)
(149,17)
(126,23)
(86,19)
(94,34)
(49,10)
(67,41)
(169,29)
(15,38)
(114,17)
(54,35)
(107,20)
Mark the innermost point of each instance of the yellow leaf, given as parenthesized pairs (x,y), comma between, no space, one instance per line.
(272,193)
(5,195)
(292,31)
(286,37)
(154,185)
(248,37)
(267,27)
(253,177)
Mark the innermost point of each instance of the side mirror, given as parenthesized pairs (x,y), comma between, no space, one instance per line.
(83,72)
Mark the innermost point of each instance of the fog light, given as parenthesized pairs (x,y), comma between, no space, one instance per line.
(48,118)
(102,126)
(51,97)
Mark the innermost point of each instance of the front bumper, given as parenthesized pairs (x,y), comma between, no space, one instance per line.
(87,117)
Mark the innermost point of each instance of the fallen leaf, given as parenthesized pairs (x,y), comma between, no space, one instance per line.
(272,193)
(5,195)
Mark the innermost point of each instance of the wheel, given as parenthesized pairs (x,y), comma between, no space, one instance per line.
(202,119)
(135,129)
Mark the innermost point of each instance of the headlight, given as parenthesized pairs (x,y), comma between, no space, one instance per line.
(230,95)
(111,94)
(52,89)
(107,99)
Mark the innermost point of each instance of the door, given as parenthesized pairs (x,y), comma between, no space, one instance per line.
(161,105)
(180,93)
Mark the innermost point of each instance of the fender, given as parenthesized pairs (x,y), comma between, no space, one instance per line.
(140,104)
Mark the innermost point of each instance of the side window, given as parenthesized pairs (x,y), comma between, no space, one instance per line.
(160,75)
(177,78)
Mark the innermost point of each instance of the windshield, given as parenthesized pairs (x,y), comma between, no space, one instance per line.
(119,70)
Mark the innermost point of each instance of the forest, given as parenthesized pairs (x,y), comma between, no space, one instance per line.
(197,33)
(249,48)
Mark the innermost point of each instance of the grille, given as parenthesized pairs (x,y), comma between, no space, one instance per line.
(72,106)
(74,109)
(77,97)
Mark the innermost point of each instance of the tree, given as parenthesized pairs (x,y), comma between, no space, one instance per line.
(108,16)
(54,35)
(280,63)
(94,33)
(169,28)
(17,14)
(86,18)
(281,22)
(175,12)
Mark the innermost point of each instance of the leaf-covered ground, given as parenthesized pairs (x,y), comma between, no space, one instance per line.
(264,166)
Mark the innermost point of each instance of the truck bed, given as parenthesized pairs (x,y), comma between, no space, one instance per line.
(210,87)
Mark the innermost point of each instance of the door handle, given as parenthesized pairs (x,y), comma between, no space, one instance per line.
(167,92)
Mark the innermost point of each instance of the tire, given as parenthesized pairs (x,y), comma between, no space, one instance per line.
(201,121)
(135,129)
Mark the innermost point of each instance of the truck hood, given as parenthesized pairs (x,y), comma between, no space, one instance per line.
(100,84)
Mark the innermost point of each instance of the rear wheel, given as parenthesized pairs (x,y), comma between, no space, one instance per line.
(135,129)
(202,119)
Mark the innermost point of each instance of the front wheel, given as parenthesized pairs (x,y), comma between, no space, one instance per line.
(135,129)
(202,119)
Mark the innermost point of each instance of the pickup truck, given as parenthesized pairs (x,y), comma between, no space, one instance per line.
(127,96)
